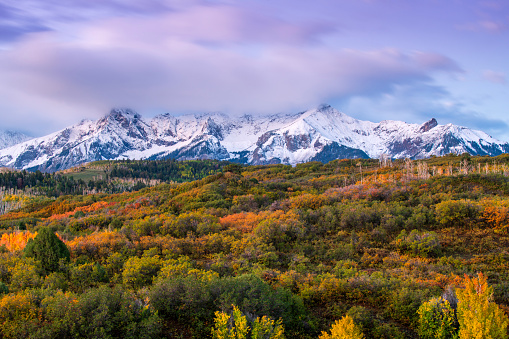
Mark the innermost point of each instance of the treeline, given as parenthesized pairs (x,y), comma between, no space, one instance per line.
(117,176)
(166,170)
(50,184)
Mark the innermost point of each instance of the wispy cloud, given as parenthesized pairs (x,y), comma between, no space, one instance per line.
(61,61)
(207,58)
(484,26)
(495,77)
(417,103)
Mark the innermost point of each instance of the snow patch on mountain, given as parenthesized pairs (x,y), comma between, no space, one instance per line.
(11,138)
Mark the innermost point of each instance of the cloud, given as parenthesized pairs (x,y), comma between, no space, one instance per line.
(489,26)
(495,77)
(13,25)
(197,58)
(419,102)
(21,17)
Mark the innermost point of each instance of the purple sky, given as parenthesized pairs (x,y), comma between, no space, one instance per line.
(62,61)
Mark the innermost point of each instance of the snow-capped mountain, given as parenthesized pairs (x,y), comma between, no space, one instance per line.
(321,134)
(10,138)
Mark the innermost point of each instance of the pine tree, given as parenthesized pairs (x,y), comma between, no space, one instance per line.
(47,248)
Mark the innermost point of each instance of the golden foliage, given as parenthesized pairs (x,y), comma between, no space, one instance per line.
(16,241)
(478,315)
(343,328)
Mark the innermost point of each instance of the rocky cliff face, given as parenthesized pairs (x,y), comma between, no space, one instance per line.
(320,134)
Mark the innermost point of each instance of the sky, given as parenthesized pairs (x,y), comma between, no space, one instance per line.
(64,61)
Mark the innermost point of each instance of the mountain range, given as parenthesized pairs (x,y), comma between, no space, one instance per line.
(320,134)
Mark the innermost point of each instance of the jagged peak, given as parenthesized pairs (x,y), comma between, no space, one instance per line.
(432,123)
(211,115)
(163,117)
(293,137)
(329,110)
(123,112)
(323,107)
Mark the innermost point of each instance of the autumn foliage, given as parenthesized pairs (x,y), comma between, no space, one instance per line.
(16,241)
(314,250)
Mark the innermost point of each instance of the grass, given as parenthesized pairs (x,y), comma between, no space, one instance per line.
(86,174)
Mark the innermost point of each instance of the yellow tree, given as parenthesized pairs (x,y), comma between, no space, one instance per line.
(344,328)
(230,327)
(236,327)
(479,317)
(16,241)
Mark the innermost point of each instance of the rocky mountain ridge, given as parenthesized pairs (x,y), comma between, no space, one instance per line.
(11,138)
(320,134)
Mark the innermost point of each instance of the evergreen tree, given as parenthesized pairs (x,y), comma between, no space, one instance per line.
(47,248)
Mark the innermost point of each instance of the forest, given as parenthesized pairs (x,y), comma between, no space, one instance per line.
(354,248)
(108,176)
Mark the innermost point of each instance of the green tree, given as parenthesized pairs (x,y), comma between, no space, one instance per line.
(3,288)
(25,275)
(233,168)
(114,313)
(456,213)
(139,272)
(478,315)
(437,319)
(48,249)
(266,328)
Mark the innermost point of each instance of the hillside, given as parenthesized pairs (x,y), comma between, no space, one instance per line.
(307,244)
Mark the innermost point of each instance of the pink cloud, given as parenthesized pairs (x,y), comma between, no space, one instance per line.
(484,26)
(436,61)
(494,77)
(197,59)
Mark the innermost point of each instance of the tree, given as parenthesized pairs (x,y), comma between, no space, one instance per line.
(478,316)
(236,327)
(3,288)
(437,319)
(343,328)
(228,328)
(233,168)
(139,272)
(47,248)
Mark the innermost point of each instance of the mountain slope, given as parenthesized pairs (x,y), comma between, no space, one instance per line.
(321,134)
(10,138)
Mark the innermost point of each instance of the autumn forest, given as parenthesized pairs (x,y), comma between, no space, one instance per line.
(358,248)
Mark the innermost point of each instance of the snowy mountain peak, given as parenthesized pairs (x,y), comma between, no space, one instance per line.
(319,134)
(324,108)
(122,114)
(10,138)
